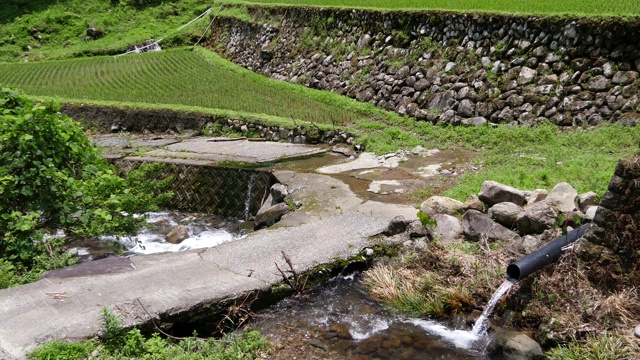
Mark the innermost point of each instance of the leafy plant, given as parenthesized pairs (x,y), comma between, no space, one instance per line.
(52,178)
(426,220)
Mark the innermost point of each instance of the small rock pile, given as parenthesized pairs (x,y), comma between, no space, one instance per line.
(528,217)
(274,207)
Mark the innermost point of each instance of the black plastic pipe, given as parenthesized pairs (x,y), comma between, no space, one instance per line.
(543,256)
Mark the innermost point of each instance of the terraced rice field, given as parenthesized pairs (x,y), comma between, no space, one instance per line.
(182,77)
(625,8)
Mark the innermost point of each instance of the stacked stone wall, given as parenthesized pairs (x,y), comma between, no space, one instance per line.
(448,67)
(616,234)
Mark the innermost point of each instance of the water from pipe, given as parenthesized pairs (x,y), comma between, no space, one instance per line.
(480,327)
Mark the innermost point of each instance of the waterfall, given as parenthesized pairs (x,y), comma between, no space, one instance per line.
(480,327)
(249,197)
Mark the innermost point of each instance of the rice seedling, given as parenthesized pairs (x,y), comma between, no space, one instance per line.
(627,8)
(192,77)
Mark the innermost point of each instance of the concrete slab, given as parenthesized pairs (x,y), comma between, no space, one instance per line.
(70,308)
(240,150)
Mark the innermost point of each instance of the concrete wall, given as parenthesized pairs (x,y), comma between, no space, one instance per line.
(447,67)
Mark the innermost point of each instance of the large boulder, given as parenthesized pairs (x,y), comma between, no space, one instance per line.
(477,226)
(513,345)
(563,196)
(493,192)
(270,215)
(505,213)
(448,228)
(536,218)
(440,205)
(178,234)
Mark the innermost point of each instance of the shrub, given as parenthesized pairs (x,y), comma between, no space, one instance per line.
(51,177)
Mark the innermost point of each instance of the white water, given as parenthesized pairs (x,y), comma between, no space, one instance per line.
(462,339)
(150,240)
(248,197)
(480,327)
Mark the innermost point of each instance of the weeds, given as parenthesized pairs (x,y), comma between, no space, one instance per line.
(119,343)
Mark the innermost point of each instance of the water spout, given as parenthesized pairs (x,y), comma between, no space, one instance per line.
(480,327)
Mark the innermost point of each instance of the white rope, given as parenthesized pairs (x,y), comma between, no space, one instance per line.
(211,23)
(155,46)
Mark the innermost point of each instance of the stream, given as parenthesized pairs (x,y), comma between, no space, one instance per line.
(338,320)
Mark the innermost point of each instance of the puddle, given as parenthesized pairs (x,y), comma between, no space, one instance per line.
(436,171)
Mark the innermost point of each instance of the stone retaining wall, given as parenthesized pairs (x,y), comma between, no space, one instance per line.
(616,234)
(103,118)
(447,67)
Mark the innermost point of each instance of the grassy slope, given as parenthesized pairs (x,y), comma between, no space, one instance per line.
(62,25)
(624,8)
(182,77)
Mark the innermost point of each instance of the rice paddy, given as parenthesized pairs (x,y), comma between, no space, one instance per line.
(625,8)
(190,77)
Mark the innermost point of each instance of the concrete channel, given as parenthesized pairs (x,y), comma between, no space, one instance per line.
(332,224)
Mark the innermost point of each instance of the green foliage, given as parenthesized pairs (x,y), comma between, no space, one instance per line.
(603,347)
(59,350)
(52,178)
(426,220)
(118,343)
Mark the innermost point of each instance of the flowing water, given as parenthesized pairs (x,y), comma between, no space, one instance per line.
(249,197)
(338,320)
(480,327)
(204,231)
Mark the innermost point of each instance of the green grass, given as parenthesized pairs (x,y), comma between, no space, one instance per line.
(546,7)
(189,77)
(62,25)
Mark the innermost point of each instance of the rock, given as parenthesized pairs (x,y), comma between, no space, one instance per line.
(563,197)
(476,121)
(513,345)
(590,212)
(178,234)
(624,77)
(416,230)
(636,331)
(492,193)
(536,196)
(629,119)
(465,108)
(530,243)
(396,226)
(440,205)
(536,218)
(278,193)
(95,33)
(477,226)
(587,199)
(505,213)
(526,76)
(473,203)
(448,228)
(270,215)
(599,83)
